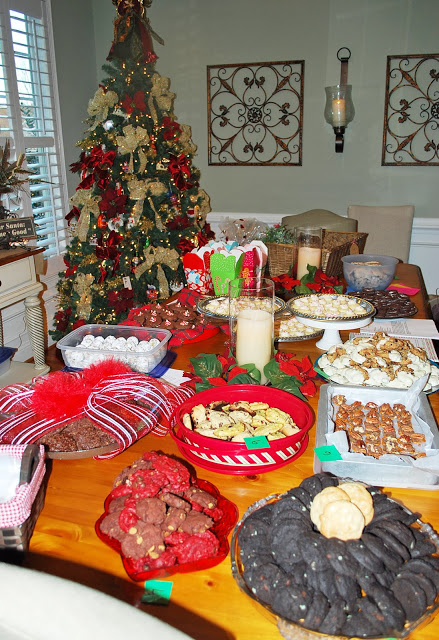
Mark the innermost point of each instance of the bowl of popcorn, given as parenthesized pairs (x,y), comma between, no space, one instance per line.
(242,429)
(369,271)
(142,348)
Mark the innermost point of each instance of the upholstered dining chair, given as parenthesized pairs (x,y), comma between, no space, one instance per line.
(389,228)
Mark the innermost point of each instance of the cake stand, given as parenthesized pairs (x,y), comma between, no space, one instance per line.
(331,328)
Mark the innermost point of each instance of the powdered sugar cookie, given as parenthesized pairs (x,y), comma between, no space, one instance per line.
(327,495)
(361,497)
(342,519)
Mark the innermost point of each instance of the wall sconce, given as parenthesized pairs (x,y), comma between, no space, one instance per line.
(339,108)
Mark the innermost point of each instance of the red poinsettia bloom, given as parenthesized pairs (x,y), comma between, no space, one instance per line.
(121,300)
(285,281)
(171,128)
(301,369)
(184,246)
(80,165)
(62,319)
(137,101)
(179,222)
(102,178)
(112,204)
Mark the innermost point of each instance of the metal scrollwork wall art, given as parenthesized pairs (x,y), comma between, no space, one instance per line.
(255,113)
(411,114)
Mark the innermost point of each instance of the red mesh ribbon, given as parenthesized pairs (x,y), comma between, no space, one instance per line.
(117,404)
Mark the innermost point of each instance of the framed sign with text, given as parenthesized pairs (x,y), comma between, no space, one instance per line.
(16,230)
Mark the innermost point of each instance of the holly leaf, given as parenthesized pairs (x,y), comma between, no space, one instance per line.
(206,365)
(338,288)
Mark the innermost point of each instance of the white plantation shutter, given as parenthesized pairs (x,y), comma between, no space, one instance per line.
(29,116)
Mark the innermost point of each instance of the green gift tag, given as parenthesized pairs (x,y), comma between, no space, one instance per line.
(327,453)
(257,442)
(157,592)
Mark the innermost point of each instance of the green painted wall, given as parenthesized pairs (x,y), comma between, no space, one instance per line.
(202,32)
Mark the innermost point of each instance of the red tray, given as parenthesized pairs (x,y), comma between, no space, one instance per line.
(221,529)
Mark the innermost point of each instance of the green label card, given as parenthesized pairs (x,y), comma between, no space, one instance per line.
(258,442)
(327,453)
(157,592)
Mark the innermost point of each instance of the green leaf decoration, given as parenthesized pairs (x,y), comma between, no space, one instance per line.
(290,384)
(244,378)
(203,386)
(309,277)
(206,366)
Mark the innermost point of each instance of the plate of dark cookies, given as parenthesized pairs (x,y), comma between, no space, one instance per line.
(389,304)
(333,558)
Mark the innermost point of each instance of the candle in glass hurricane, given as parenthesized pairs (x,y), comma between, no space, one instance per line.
(309,252)
(251,313)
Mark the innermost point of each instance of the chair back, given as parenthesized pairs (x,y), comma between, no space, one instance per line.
(320,218)
(389,228)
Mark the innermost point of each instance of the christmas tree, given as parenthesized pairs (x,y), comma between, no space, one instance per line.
(138,207)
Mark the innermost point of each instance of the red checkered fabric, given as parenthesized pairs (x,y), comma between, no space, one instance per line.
(16,510)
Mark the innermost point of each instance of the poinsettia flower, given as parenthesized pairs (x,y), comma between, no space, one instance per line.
(121,300)
(301,369)
(308,388)
(137,101)
(78,323)
(112,204)
(235,371)
(171,128)
(217,382)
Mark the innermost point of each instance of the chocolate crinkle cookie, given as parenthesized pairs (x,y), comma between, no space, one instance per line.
(79,435)
(375,584)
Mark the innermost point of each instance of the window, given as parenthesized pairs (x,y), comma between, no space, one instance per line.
(29,116)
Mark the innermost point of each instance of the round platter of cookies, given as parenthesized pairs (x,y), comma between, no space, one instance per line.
(337,559)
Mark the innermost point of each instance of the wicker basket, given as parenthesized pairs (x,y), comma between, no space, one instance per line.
(336,245)
(280,258)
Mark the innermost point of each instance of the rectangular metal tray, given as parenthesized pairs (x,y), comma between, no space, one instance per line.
(386,473)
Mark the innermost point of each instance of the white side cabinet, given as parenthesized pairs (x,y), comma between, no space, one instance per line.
(18,282)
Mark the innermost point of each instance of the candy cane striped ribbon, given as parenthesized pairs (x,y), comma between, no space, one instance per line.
(117,405)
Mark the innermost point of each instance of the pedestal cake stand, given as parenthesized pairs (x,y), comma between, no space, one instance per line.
(332,328)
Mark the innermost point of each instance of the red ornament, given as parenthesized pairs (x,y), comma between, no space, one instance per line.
(102,222)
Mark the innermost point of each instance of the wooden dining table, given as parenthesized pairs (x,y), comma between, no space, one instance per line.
(207,603)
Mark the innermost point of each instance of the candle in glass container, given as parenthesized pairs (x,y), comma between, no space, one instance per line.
(307,256)
(338,113)
(254,339)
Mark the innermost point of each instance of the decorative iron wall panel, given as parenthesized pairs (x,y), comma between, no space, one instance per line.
(255,113)
(411,113)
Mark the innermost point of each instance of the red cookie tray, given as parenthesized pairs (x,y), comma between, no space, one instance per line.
(220,528)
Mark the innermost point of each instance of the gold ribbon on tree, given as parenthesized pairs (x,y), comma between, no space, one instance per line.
(185,140)
(159,256)
(89,205)
(131,141)
(83,282)
(138,190)
(99,105)
(160,95)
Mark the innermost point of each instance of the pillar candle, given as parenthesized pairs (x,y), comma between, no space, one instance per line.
(307,256)
(254,339)
(338,113)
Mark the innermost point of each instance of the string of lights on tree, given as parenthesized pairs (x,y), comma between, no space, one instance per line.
(138,207)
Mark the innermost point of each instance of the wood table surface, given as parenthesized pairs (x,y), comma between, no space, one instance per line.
(204,604)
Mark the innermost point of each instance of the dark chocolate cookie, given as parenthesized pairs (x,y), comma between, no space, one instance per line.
(411,596)
(340,559)
(390,541)
(313,485)
(292,602)
(376,546)
(335,618)
(317,611)
(368,560)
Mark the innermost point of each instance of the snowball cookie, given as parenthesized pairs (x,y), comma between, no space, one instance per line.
(327,495)
(361,498)
(342,519)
